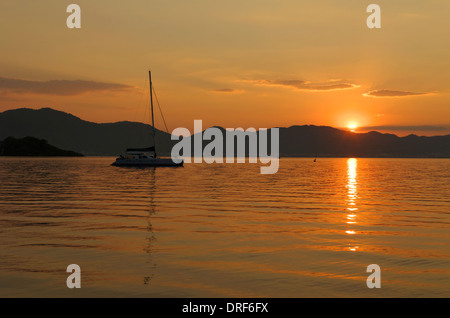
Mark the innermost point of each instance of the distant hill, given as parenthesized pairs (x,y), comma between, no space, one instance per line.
(30,146)
(66,131)
(70,132)
(331,142)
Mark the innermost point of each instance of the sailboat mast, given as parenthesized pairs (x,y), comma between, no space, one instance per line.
(151,104)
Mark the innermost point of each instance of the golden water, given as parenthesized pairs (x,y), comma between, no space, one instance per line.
(225,230)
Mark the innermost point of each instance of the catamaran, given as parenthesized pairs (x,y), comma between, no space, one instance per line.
(146,156)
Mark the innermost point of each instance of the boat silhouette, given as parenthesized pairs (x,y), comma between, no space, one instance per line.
(145,157)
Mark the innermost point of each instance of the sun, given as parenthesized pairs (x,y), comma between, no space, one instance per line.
(352,126)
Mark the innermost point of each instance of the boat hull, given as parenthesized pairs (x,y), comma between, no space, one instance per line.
(147,162)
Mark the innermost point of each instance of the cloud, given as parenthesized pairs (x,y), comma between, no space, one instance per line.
(227,90)
(386,93)
(57,87)
(406,128)
(330,85)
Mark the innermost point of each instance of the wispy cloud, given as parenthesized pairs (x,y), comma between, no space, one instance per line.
(386,93)
(330,85)
(227,90)
(57,87)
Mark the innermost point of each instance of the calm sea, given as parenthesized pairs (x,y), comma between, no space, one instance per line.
(225,230)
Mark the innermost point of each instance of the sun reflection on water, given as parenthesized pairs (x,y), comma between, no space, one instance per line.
(352,195)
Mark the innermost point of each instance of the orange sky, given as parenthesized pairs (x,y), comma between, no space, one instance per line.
(252,63)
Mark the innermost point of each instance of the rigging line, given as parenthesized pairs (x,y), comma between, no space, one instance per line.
(159,106)
(160,110)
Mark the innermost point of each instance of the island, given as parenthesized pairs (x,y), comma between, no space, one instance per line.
(32,147)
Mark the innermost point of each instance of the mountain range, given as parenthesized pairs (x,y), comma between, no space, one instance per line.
(67,131)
